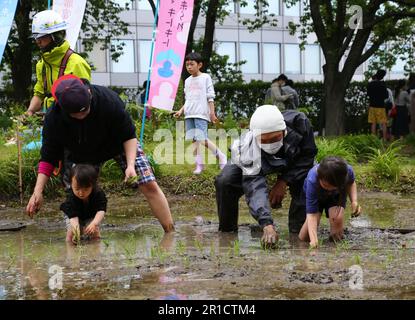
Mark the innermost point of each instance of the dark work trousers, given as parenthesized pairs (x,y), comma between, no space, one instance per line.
(231,185)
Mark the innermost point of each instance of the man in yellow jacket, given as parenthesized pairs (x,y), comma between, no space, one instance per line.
(57,59)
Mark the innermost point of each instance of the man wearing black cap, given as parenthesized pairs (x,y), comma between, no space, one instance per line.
(91,124)
(377,92)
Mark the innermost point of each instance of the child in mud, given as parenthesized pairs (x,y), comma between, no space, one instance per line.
(326,188)
(85,205)
(198,110)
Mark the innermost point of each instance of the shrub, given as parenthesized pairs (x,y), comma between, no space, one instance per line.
(386,162)
(362,145)
(334,147)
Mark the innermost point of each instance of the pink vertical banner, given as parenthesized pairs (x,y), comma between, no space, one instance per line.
(171,39)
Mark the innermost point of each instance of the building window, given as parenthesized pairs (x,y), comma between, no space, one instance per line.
(145,5)
(126,60)
(98,57)
(292,59)
(249,8)
(274,7)
(249,54)
(292,10)
(124,3)
(229,7)
(312,59)
(144,58)
(272,58)
(227,49)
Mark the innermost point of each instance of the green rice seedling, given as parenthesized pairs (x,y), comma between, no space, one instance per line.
(158,253)
(212,250)
(186,262)
(343,244)
(106,242)
(198,245)
(357,259)
(236,248)
(180,248)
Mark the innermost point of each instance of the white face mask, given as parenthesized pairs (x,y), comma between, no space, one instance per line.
(272,148)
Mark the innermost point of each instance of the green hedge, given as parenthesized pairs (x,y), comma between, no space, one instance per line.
(242,99)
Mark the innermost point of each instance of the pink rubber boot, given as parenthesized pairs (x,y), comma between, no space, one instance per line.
(199,165)
(222,159)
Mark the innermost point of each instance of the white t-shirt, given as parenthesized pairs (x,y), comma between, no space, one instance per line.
(198,92)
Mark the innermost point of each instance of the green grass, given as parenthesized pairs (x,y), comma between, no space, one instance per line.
(377,166)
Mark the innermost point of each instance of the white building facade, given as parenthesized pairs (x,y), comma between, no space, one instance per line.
(268,51)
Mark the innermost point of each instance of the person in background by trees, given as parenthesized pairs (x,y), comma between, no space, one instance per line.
(411,91)
(400,125)
(389,103)
(57,59)
(377,92)
(288,89)
(274,95)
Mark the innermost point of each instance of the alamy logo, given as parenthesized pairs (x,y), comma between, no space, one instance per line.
(56,278)
(356,277)
(356,19)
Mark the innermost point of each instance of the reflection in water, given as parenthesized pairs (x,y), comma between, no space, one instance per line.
(136,260)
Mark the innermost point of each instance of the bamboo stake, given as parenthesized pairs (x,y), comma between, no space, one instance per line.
(19,156)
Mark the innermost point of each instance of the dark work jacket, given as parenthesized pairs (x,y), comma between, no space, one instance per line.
(291,163)
(95,139)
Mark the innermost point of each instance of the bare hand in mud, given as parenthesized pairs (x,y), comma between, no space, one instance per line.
(269,238)
(34,205)
(91,229)
(277,193)
(356,209)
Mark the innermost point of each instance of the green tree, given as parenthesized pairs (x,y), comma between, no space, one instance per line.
(352,31)
(101,22)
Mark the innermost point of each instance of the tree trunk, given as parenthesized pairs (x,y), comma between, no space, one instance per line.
(211,15)
(334,93)
(190,39)
(21,58)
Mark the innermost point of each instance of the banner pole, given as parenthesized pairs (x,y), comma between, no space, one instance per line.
(149,74)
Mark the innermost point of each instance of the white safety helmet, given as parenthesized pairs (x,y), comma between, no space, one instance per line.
(47,22)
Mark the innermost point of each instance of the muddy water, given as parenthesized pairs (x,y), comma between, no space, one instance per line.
(135,260)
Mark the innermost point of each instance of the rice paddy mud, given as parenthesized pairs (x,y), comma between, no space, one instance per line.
(135,260)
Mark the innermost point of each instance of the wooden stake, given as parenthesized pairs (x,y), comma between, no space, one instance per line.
(19,156)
